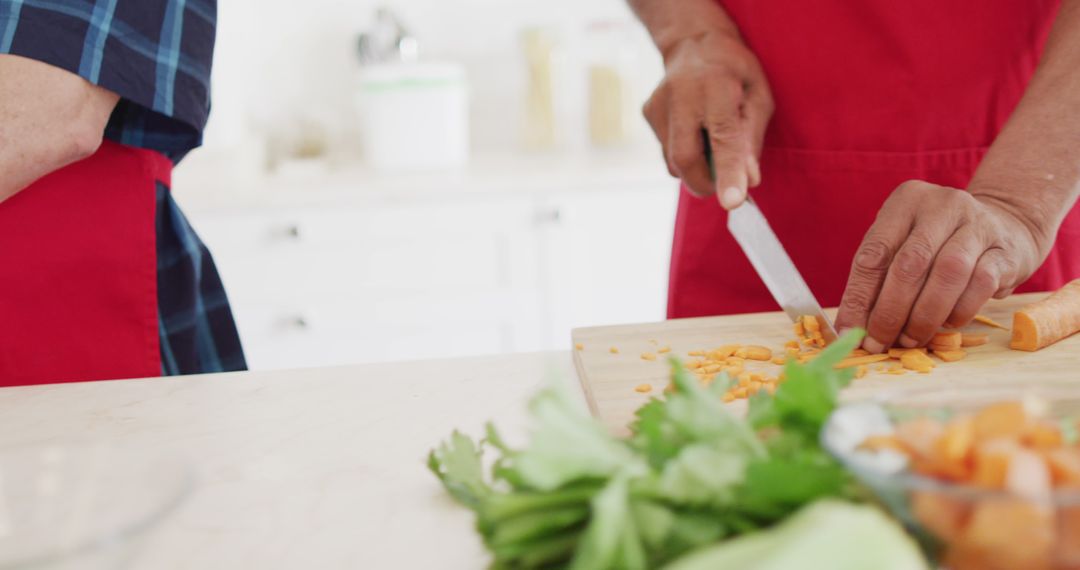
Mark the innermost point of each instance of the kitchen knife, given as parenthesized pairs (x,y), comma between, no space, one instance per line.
(770,260)
(774,266)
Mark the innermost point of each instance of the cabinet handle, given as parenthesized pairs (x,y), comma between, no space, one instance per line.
(548,216)
(289,232)
(296,322)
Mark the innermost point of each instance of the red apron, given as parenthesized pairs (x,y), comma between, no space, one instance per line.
(78,300)
(868,94)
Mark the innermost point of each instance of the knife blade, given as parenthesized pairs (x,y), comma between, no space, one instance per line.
(774,266)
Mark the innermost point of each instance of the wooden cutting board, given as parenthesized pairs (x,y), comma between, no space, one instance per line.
(609,379)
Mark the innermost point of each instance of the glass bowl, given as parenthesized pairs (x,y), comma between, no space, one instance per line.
(961,526)
(83,506)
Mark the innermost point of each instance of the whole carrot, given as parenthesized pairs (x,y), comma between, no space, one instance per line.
(1041,324)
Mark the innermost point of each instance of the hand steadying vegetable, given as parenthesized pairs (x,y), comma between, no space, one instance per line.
(936,254)
(715,87)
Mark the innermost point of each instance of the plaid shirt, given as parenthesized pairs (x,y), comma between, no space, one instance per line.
(155,54)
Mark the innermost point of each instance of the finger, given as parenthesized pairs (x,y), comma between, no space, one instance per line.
(984,281)
(730,140)
(686,150)
(656,114)
(756,112)
(753,171)
(905,279)
(948,279)
(870,266)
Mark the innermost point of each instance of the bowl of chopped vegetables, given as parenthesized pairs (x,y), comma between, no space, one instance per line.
(986,478)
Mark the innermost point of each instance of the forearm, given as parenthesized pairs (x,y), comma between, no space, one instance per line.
(670,22)
(49,118)
(1033,168)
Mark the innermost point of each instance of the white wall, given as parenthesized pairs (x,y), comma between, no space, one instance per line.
(280,61)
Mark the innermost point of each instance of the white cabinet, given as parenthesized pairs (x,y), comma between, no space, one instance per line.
(402,277)
(604,258)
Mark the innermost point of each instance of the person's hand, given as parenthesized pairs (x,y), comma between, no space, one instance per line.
(49,118)
(932,258)
(714,85)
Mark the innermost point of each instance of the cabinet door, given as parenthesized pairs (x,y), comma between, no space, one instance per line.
(605,258)
(389,281)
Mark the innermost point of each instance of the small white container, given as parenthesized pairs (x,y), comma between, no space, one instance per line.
(414,116)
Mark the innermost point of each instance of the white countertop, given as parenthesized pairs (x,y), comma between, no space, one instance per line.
(320,468)
(206,181)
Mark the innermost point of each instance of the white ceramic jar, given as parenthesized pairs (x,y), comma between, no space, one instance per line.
(414,116)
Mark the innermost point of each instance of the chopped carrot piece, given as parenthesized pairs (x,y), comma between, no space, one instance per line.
(792,344)
(735,361)
(991,462)
(917,361)
(898,352)
(861,371)
(1064,464)
(918,436)
(771,389)
(745,376)
(800,330)
(696,353)
(643,388)
(779,360)
(755,353)
(648,356)
(1068,542)
(974,339)
(579,346)
(860,360)
(946,341)
(729,397)
(724,351)
(860,352)
(1042,435)
(732,371)
(811,324)
(940,513)
(712,369)
(614,350)
(1009,533)
(956,442)
(990,322)
(664,349)
(1004,419)
(1045,322)
(950,355)
(741,392)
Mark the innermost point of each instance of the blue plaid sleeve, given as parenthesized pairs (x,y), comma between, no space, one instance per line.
(156,54)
